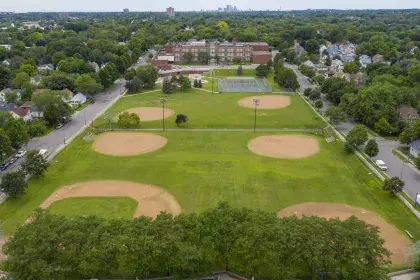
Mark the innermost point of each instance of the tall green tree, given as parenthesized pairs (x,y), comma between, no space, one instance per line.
(14,184)
(5,145)
(336,115)
(357,136)
(383,127)
(17,133)
(34,164)
(393,185)
(372,148)
(52,114)
(287,78)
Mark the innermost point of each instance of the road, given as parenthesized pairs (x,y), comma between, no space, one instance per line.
(58,137)
(396,168)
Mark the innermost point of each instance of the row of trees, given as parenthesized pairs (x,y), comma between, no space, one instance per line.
(251,242)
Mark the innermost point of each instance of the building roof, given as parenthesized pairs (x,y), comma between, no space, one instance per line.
(21,111)
(27,105)
(416,145)
(7,107)
(407,112)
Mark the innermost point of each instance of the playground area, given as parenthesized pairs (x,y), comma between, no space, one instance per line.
(244,84)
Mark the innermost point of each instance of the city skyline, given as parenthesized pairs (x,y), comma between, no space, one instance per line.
(183,5)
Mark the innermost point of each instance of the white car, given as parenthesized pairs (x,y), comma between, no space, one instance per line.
(21,153)
(382,165)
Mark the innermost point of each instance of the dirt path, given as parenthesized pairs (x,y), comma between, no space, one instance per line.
(284,146)
(151,199)
(126,143)
(266,101)
(148,114)
(394,240)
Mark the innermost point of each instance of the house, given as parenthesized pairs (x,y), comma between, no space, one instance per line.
(22,113)
(415,149)
(6,62)
(377,58)
(68,94)
(36,112)
(333,50)
(79,98)
(321,68)
(329,74)
(337,65)
(95,66)
(358,78)
(7,107)
(409,114)
(35,80)
(7,47)
(309,63)
(3,94)
(365,60)
(348,57)
(413,50)
(46,67)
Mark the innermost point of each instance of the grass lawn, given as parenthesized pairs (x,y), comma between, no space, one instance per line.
(206,110)
(105,207)
(202,168)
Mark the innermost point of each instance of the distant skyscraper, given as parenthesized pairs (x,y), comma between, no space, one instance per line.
(126,11)
(170,11)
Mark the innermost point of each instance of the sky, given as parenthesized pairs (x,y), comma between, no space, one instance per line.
(191,5)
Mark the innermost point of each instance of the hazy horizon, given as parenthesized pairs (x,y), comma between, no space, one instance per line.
(19,6)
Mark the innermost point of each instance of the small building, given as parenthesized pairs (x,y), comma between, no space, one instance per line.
(36,112)
(6,62)
(409,114)
(35,80)
(22,113)
(3,94)
(377,58)
(415,149)
(46,67)
(170,11)
(413,50)
(321,68)
(261,57)
(95,66)
(309,63)
(365,60)
(7,107)
(79,98)
(337,65)
(329,74)
(7,47)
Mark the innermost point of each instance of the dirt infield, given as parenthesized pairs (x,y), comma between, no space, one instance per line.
(148,114)
(394,240)
(284,146)
(266,101)
(151,199)
(128,143)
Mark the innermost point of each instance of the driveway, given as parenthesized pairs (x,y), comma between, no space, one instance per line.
(409,174)
(58,137)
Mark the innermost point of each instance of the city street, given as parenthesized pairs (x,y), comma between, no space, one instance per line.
(409,174)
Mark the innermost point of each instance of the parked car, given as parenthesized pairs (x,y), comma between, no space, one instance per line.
(382,165)
(21,153)
(4,166)
(59,126)
(12,160)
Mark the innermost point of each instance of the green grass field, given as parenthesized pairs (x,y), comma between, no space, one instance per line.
(202,168)
(105,207)
(206,110)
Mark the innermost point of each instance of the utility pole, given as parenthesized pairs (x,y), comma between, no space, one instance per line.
(256,103)
(212,81)
(163,101)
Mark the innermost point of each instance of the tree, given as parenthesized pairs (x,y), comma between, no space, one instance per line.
(261,70)
(29,69)
(416,130)
(372,148)
(357,136)
(200,84)
(37,128)
(312,46)
(196,83)
(187,57)
(130,75)
(240,71)
(417,162)
(287,78)
(127,120)
(5,76)
(52,114)
(166,86)
(315,94)
(393,185)
(307,92)
(5,145)
(319,104)
(383,127)
(203,57)
(186,84)
(328,61)
(17,133)
(336,115)
(58,81)
(407,135)
(148,75)
(88,85)
(351,67)
(181,119)
(14,183)
(4,117)
(21,79)
(57,57)
(34,164)
(135,85)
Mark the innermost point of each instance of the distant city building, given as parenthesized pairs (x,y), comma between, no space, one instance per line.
(170,11)
(126,11)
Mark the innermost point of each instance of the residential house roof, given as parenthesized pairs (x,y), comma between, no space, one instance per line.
(309,63)
(80,97)
(416,145)
(365,59)
(21,112)
(377,58)
(27,105)
(408,112)
(68,93)
(7,107)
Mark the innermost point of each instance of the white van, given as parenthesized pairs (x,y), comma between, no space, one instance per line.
(381,164)
(43,152)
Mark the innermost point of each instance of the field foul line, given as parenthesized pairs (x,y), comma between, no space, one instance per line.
(217,129)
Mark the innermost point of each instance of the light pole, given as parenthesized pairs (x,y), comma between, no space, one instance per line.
(212,81)
(256,103)
(163,101)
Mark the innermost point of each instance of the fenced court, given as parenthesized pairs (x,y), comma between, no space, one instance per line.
(244,84)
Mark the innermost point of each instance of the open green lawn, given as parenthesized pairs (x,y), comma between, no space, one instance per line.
(206,110)
(202,168)
(105,207)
